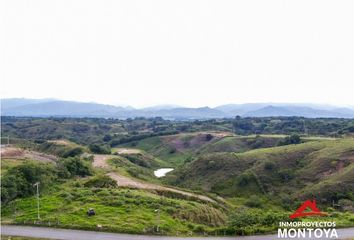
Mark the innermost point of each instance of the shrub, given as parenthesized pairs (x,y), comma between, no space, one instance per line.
(269,165)
(244,218)
(73,152)
(209,137)
(254,202)
(292,139)
(138,159)
(286,174)
(95,148)
(244,179)
(250,217)
(101,181)
(19,180)
(346,204)
(70,167)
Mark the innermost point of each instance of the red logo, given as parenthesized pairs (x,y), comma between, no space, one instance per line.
(300,212)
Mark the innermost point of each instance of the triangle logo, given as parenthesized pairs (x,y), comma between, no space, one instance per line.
(301,211)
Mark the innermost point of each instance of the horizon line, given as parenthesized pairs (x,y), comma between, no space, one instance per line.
(172,105)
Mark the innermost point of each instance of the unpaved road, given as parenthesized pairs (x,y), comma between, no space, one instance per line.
(68,234)
(22,154)
(127,150)
(129,182)
(123,181)
(100,160)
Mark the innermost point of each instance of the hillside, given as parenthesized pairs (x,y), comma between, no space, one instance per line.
(320,169)
(225,179)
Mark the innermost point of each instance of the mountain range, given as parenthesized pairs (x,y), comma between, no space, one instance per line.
(59,108)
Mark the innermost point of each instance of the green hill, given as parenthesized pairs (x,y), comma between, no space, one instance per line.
(252,181)
(320,169)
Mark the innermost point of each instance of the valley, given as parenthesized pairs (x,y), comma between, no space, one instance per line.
(226,180)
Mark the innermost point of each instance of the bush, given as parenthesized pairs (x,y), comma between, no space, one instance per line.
(269,165)
(286,174)
(19,180)
(73,152)
(138,159)
(244,179)
(244,218)
(254,202)
(292,139)
(70,167)
(250,217)
(95,148)
(209,137)
(101,181)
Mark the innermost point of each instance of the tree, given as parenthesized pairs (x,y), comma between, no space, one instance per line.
(95,148)
(70,167)
(292,139)
(101,181)
(18,181)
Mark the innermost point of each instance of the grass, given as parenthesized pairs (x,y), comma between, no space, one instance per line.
(117,210)
(290,170)
(262,181)
(166,155)
(9,163)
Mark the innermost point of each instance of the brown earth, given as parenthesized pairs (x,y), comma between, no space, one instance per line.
(127,151)
(60,142)
(19,153)
(123,181)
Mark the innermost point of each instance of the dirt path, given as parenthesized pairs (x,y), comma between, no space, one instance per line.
(127,150)
(101,160)
(19,153)
(123,181)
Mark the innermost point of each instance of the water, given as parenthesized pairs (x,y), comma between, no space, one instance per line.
(162,172)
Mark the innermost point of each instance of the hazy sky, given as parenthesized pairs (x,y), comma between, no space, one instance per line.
(184,52)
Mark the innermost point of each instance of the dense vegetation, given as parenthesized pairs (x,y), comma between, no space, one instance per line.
(18,181)
(256,171)
(114,132)
(322,170)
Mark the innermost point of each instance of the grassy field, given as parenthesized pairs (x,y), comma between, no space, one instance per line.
(255,184)
(295,170)
(117,210)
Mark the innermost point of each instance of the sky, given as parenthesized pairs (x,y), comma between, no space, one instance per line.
(183,52)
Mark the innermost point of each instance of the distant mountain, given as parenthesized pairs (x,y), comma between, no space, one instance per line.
(17,102)
(59,108)
(184,113)
(63,108)
(269,111)
(240,109)
(309,112)
(160,107)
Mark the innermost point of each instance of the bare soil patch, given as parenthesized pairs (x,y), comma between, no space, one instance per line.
(18,153)
(100,160)
(127,151)
(60,142)
(123,181)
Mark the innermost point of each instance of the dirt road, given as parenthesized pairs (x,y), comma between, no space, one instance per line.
(123,181)
(22,154)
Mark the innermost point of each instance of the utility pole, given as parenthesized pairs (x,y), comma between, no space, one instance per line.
(157,219)
(37,185)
